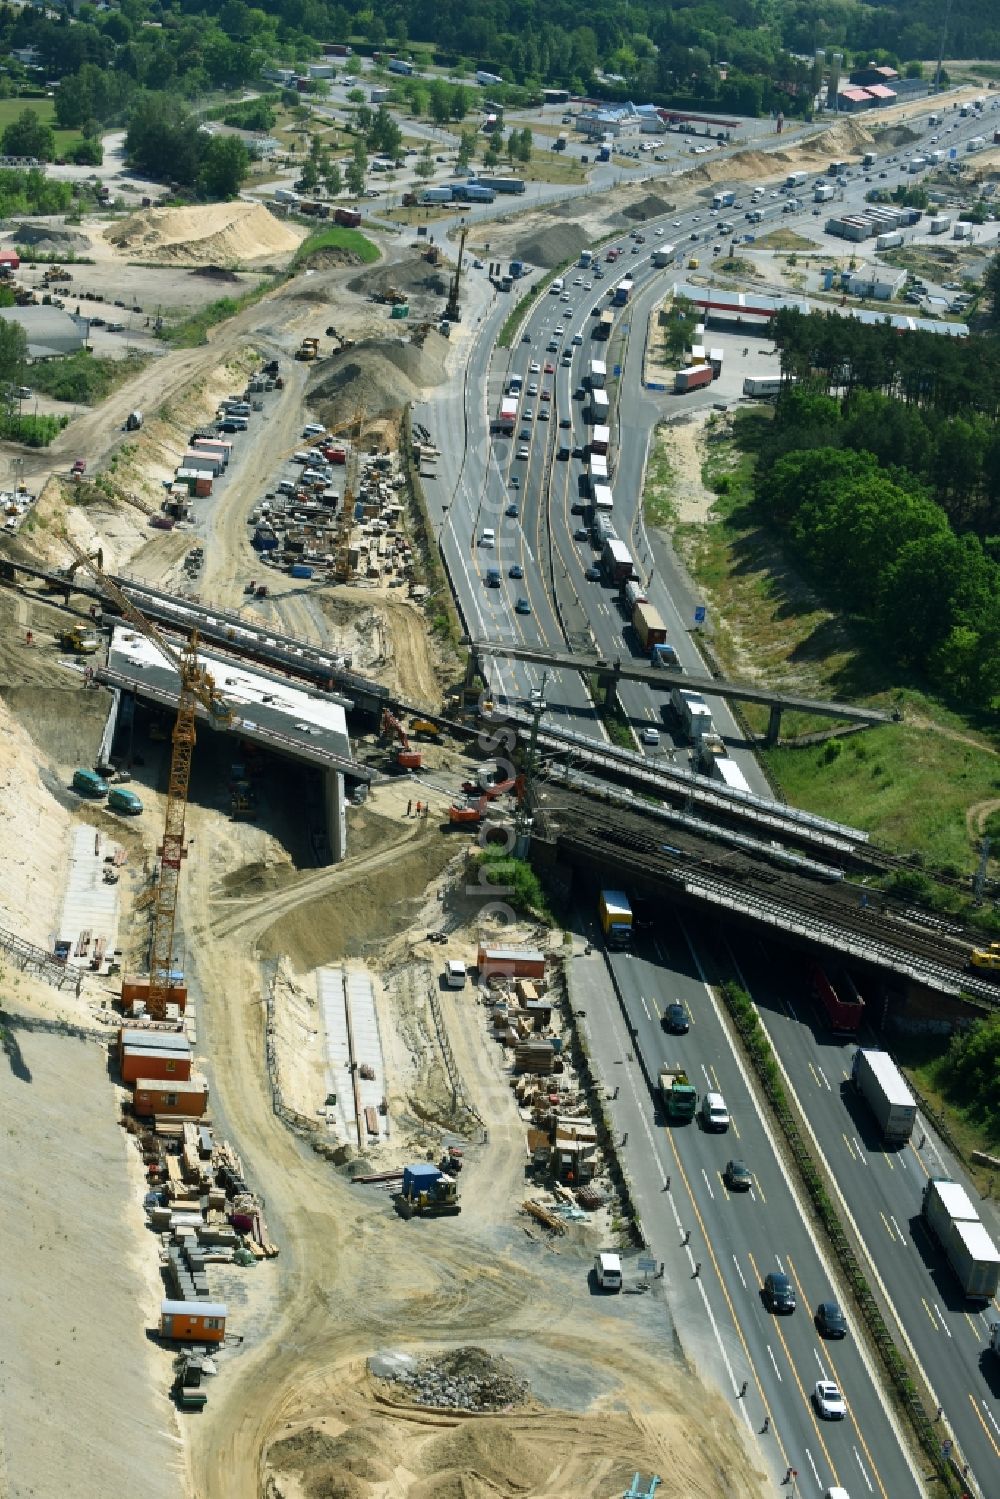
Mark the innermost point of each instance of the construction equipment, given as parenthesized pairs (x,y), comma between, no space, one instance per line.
(56,273)
(308,349)
(470,812)
(425,727)
(453,307)
(341,341)
(196,686)
(432,255)
(986,960)
(81,559)
(427,1193)
(407,758)
(79,640)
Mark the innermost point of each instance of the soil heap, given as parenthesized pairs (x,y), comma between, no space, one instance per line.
(380,376)
(219,234)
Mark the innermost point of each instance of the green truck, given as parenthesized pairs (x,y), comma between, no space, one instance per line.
(680,1098)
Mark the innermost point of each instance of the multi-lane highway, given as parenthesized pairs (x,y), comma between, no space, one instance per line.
(735,1239)
(881,1191)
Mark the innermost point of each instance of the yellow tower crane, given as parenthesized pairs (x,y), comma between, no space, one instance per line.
(196,686)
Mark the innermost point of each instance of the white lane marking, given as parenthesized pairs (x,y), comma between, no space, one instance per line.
(774,1363)
(809,1460)
(863,1471)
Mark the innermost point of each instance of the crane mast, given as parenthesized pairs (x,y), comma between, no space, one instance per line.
(196,686)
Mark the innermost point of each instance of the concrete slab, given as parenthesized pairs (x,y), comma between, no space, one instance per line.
(89,905)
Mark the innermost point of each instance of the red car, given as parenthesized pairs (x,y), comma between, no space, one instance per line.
(550,368)
(546,395)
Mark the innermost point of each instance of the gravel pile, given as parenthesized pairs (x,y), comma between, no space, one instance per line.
(464,1379)
(553,245)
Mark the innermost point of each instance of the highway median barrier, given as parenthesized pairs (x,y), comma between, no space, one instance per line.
(758,1048)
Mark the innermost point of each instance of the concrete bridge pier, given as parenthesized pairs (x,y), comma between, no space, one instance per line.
(335,804)
(773,724)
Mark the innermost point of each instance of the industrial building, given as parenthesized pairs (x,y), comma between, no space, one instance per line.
(50,331)
(754,310)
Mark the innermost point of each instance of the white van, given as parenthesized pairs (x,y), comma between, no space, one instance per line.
(454,973)
(556,286)
(488,537)
(836,1494)
(608,1271)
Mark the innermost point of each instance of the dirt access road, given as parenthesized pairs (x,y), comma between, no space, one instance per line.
(354,1279)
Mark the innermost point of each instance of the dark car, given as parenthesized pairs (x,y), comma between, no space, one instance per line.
(579,394)
(226,427)
(593,574)
(525,434)
(516,570)
(513,511)
(581,534)
(779,1293)
(737,1177)
(565,421)
(830,1320)
(676,1019)
(563,453)
(515,482)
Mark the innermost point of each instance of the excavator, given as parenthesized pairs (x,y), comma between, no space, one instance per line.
(407,758)
(79,640)
(481,792)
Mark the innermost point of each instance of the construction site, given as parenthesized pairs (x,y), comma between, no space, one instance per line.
(261,1025)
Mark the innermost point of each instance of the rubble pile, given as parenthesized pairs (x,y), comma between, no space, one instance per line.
(464,1379)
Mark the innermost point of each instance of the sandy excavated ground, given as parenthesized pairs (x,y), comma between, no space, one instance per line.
(610,1392)
(223,234)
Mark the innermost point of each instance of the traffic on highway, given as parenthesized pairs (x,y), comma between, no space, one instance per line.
(525,543)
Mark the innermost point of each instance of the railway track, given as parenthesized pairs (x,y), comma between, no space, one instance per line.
(847,915)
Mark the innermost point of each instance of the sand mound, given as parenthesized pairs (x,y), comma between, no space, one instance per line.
(380,376)
(487,1451)
(554,245)
(341,1467)
(649,207)
(49,239)
(218,234)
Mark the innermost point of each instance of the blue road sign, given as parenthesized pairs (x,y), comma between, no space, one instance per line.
(699,614)
(617,371)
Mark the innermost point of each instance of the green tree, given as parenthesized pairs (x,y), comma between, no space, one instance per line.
(28,136)
(355,96)
(440,102)
(13,351)
(524,144)
(224,164)
(333,179)
(425,164)
(491,156)
(991,285)
(357,170)
(466,147)
(459,102)
(308,179)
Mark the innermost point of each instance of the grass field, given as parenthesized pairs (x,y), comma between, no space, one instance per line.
(928,783)
(45,110)
(784,239)
(337,237)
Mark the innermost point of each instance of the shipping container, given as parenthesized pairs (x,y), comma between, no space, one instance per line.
(693,378)
(300,570)
(507,185)
(510,962)
(603,497)
(634,594)
(623,292)
(597,473)
(350,218)
(762,385)
(186,1098)
(193,1321)
(149,1062)
(605,324)
(599,407)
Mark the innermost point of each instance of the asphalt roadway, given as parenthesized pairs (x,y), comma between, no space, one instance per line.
(717,1246)
(880,1191)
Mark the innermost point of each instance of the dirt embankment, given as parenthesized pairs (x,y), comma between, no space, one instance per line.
(222,234)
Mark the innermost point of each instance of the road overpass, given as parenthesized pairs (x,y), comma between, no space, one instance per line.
(663,679)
